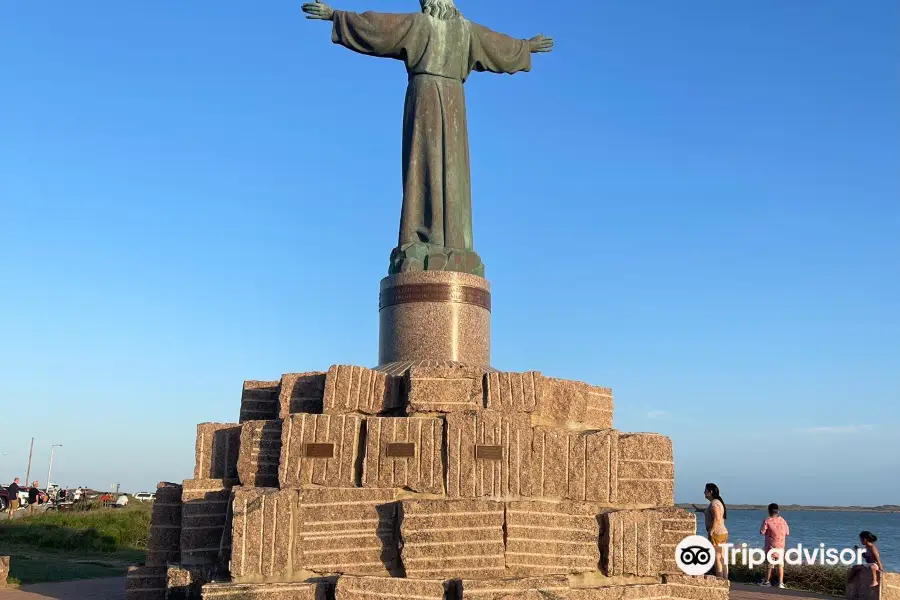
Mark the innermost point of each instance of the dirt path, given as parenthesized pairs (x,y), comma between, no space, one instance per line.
(111,588)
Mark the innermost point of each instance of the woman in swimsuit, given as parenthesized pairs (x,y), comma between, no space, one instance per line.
(871,556)
(714,515)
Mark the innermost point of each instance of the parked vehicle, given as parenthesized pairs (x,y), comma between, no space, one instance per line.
(145,497)
(4,499)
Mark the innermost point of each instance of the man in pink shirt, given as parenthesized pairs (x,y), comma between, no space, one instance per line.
(776,530)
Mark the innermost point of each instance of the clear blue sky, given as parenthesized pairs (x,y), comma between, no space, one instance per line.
(695,203)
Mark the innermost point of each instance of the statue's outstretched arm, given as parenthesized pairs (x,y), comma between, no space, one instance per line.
(318,10)
(539,43)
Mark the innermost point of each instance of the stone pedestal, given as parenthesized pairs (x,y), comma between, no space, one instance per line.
(435,315)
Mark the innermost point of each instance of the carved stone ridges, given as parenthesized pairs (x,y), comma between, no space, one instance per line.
(444,389)
(260,453)
(645,470)
(270,591)
(578,465)
(301,393)
(205,517)
(164,541)
(630,543)
(404,453)
(350,389)
(216,450)
(677,524)
(551,538)
(513,392)
(548,587)
(350,531)
(443,539)
(488,455)
(263,534)
(145,583)
(259,401)
(565,401)
(320,450)
(367,588)
(697,588)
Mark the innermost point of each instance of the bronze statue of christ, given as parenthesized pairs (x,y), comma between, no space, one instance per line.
(440,48)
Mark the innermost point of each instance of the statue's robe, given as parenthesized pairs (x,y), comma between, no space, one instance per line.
(439,56)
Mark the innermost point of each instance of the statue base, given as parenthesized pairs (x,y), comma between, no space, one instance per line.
(422,256)
(435,315)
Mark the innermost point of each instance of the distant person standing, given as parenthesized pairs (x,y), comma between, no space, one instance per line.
(13,491)
(78,494)
(776,530)
(34,494)
(714,518)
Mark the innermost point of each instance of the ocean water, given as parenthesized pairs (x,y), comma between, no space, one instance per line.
(810,528)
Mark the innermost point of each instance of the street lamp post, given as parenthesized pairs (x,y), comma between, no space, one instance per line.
(50,470)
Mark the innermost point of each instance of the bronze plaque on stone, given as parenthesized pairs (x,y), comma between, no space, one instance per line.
(489,452)
(318,450)
(400,450)
(434,292)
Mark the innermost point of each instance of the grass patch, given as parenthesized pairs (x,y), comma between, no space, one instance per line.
(819,579)
(100,530)
(83,544)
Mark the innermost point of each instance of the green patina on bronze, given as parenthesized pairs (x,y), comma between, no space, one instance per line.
(440,49)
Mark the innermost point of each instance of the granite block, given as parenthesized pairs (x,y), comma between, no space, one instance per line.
(578,465)
(145,583)
(860,587)
(651,591)
(444,389)
(263,532)
(164,541)
(891,586)
(186,583)
(630,543)
(320,450)
(567,402)
(4,570)
(488,455)
(352,531)
(265,591)
(367,588)
(404,453)
(259,401)
(217,449)
(351,389)
(513,392)
(301,393)
(452,538)
(205,517)
(645,471)
(677,524)
(704,587)
(541,588)
(260,453)
(545,538)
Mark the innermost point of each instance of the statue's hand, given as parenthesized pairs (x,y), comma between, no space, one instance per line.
(318,10)
(539,43)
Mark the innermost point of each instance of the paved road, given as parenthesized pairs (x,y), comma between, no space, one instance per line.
(110,588)
(114,589)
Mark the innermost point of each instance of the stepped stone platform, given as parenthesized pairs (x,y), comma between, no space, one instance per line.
(431,480)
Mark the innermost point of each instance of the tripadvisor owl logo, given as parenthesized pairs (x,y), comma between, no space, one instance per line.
(695,555)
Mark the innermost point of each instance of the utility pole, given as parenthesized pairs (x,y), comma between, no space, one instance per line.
(28,471)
